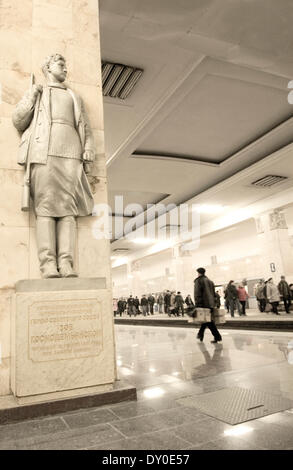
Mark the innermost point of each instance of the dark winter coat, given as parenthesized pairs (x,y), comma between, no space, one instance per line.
(204,292)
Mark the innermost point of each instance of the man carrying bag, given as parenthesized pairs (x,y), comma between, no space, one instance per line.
(204,297)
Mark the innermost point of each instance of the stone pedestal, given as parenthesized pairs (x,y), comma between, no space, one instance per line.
(62,336)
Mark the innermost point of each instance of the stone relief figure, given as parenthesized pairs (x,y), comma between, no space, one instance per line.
(56,150)
(277,220)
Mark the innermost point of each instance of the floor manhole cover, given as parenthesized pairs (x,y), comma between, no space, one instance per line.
(235,405)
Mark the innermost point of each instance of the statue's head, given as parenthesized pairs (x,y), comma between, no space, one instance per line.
(55,68)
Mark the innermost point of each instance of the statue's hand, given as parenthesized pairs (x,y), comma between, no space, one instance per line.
(88,156)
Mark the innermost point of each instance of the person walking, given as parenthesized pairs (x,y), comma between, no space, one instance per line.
(242,297)
(151,301)
(273,295)
(285,293)
(189,302)
(160,302)
(144,305)
(173,310)
(232,298)
(131,306)
(121,306)
(179,302)
(167,301)
(204,297)
(218,299)
(136,304)
(260,295)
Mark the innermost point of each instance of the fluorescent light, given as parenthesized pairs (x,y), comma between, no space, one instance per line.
(143,241)
(239,431)
(154,392)
(119,261)
(119,363)
(151,369)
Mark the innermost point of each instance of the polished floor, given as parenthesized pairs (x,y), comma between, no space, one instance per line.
(167,364)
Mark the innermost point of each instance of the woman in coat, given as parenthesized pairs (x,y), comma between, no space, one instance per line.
(242,296)
(273,295)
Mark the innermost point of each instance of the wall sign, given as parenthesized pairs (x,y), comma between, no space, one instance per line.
(273,267)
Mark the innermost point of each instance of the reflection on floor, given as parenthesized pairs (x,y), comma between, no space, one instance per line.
(167,364)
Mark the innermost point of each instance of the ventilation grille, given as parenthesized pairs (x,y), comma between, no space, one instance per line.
(268,181)
(119,80)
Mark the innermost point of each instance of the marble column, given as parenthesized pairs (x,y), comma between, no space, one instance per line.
(134,278)
(182,268)
(29,31)
(274,245)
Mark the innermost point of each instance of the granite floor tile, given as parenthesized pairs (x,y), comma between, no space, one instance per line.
(160,440)
(270,436)
(35,427)
(232,443)
(131,410)
(140,425)
(89,418)
(79,437)
(201,432)
(93,436)
(179,416)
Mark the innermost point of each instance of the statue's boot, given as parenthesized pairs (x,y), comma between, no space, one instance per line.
(66,234)
(46,242)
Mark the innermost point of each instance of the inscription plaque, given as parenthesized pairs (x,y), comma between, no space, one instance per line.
(64,329)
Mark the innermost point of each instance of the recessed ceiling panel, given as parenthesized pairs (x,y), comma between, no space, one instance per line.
(119,205)
(217,118)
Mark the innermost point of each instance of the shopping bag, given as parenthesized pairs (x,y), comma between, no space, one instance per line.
(218,316)
(200,315)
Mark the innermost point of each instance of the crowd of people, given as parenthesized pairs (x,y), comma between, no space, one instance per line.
(235,296)
(269,295)
(168,302)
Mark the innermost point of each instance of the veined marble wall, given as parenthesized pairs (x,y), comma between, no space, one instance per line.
(29,31)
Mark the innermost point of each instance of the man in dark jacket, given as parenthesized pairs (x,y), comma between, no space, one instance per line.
(231,295)
(204,297)
(151,301)
(285,293)
(136,304)
(121,306)
(167,301)
(144,305)
(131,306)
(179,302)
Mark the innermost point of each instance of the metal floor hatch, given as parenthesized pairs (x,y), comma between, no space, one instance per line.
(236,405)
